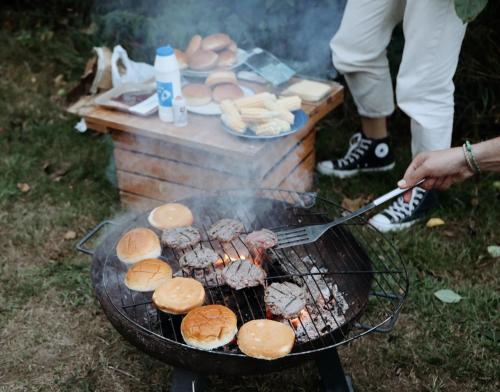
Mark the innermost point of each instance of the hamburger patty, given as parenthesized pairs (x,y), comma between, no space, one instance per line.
(225,230)
(261,239)
(199,257)
(243,273)
(285,299)
(180,237)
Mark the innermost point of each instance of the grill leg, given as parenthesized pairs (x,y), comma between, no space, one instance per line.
(332,375)
(186,381)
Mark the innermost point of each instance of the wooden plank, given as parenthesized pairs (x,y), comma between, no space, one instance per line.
(177,172)
(153,188)
(302,177)
(289,162)
(137,202)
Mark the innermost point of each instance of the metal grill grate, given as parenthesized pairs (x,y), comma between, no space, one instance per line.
(359,260)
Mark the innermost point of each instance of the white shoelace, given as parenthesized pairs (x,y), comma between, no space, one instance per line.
(400,210)
(358,146)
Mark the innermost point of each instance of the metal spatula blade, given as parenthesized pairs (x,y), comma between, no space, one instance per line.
(307,234)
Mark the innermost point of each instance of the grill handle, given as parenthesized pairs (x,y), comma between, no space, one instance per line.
(89,235)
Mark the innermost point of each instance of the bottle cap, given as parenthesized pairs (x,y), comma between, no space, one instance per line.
(165,51)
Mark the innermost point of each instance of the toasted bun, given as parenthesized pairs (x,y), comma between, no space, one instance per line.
(182,59)
(221,77)
(203,60)
(226,58)
(170,215)
(197,94)
(209,327)
(138,244)
(216,42)
(147,275)
(193,45)
(226,91)
(266,339)
(179,295)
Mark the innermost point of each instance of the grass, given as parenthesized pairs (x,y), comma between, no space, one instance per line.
(53,334)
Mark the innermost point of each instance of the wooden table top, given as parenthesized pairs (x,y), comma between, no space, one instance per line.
(203,132)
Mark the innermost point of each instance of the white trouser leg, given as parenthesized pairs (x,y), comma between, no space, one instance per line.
(424,89)
(359,52)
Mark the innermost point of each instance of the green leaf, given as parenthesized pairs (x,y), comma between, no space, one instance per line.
(496,185)
(494,250)
(467,10)
(447,296)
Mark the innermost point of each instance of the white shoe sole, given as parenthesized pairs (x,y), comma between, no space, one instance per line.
(352,173)
(386,228)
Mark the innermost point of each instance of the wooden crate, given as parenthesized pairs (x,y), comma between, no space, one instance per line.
(157,162)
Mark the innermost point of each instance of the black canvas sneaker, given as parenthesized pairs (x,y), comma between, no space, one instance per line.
(364,155)
(401,215)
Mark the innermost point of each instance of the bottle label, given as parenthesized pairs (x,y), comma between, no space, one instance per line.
(165,93)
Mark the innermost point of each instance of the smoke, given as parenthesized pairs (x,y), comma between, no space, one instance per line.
(297,32)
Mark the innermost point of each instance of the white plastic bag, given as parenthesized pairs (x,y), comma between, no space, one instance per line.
(133,73)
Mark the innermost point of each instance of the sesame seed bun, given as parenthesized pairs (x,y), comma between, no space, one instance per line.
(138,244)
(179,295)
(209,327)
(147,275)
(170,215)
(266,339)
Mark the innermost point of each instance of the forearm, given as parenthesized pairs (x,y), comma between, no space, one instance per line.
(487,154)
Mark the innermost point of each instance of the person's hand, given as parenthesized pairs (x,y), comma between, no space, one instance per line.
(441,169)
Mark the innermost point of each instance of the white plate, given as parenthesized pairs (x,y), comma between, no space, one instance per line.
(213,108)
(241,57)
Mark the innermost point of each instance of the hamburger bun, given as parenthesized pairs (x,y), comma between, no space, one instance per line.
(138,244)
(170,215)
(179,295)
(181,58)
(216,42)
(221,77)
(227,91)
(266,339)
(226,59)
(193,45)
(208,327)
(147,275)
(197,94)
(202,60)
(232,46)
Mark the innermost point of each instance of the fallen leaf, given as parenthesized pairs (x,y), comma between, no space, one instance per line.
(23,187)
(354,204)
(496,185)
(2,130)
(70,235)
(434,222)
(494,250)
(447,296)
(449,233)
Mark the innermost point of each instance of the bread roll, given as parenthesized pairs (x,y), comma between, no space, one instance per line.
(266,339)
(226,59)
(147,275)
(216,42)
(227,91)
(208,327)
(221,77)
(181,59)
(202,60)
(197,94)
(194,45)
(138,244)
(232,46)
(170,215)
(179,295)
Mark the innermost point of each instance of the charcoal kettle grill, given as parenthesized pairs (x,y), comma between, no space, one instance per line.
(354,259)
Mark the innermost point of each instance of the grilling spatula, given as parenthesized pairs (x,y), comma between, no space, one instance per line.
(307,234)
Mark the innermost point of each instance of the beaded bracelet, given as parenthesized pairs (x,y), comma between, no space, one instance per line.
(470,158)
